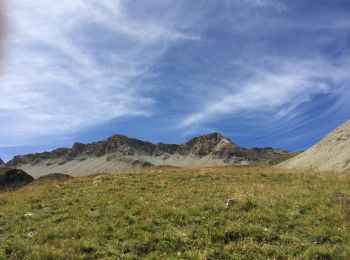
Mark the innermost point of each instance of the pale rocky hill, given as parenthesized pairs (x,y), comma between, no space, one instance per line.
(121,152)
(332,153)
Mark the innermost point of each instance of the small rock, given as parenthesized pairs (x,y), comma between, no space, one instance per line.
(101,178)
(29,229)
(230,203)
(30,235)
(29,214)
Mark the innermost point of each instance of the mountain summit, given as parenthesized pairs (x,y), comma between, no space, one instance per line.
(332,153)
(121,152)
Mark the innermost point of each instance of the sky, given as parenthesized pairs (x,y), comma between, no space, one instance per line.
(261,72)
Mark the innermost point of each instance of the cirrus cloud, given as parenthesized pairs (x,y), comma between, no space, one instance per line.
(74,64)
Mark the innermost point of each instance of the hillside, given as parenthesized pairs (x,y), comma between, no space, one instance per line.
(121,152)
(209,213)
(332,153)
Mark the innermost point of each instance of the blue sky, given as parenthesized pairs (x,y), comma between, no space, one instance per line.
(262,72)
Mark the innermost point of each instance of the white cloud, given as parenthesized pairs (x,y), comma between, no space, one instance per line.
(62,76)
(278,92)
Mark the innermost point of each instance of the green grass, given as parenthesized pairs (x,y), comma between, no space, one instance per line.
(180,214)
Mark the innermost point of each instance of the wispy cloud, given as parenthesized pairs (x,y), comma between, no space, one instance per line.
(176,68)
(278,92)
(74,64)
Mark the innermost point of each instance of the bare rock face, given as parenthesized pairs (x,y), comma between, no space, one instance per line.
(332,153)
(218,147)
(13,178)
(38,157)
(206,144)
(1,162)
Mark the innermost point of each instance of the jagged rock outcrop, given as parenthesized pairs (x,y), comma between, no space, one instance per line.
(332,153)
(120,152)
(13,178)
(1,162)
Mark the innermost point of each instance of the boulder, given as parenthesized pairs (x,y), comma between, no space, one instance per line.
(13,178)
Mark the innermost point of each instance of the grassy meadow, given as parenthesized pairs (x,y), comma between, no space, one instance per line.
(168,213)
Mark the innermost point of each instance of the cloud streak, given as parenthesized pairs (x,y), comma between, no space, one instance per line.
(77,64)
(272,71)
(279,92)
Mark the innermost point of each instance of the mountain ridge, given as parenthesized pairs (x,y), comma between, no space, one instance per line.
(120,152)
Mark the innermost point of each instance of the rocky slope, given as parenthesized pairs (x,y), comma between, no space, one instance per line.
(54,177)
(120,152)
(1,162)
(332,153)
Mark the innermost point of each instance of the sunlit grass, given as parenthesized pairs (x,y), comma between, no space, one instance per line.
(180,213)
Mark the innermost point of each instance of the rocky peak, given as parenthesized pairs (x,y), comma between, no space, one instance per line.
(122,143)
(1,162)
(118,139)
(206,144)
(213,139)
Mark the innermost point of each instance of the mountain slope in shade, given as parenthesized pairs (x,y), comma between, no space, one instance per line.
(332,153)
(121,152)
(1,162)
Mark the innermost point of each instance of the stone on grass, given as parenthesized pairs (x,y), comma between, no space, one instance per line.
(230,203)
